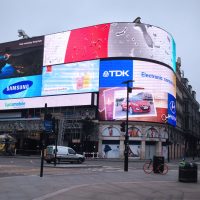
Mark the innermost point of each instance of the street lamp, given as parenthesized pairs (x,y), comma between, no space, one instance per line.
(126,141)
(22,34)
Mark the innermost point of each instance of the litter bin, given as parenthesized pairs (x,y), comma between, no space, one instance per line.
(157,161)
(188,172)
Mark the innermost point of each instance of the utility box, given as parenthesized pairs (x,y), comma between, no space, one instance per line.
(157,161)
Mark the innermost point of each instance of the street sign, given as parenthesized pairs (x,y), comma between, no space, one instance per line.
(48,125)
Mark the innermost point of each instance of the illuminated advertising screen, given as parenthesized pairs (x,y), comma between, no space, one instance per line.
(77,45)
(55,46)
(52,101)
(133,40)
(141,41)
(76,77)
(21,58)
(88,43)
(148,101)
(28,86)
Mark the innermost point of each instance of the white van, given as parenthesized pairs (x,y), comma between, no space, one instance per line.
(63,154)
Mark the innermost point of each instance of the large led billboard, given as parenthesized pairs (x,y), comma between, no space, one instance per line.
(140,40)
(128,40)
(52,101)
(153,87)
(79,77)
(21,58)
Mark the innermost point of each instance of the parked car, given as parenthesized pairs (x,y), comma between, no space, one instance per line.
(64,153)
(136,105)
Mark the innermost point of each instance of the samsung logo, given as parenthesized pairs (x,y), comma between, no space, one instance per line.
(17,87)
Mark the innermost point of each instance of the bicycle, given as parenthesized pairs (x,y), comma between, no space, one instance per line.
(161,168)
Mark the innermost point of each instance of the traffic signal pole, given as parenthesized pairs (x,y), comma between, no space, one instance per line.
(126,141)
(42,142)
(55,130)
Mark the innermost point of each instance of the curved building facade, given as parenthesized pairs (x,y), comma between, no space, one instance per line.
(84,69)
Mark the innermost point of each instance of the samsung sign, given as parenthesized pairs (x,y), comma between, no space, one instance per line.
(17,87)
(29,86)
(114,72)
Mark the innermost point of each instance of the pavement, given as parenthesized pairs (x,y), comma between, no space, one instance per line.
(95,184)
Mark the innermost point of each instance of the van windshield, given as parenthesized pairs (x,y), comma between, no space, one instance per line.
(71,151)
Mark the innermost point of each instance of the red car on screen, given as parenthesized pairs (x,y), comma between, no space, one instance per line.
(136,105)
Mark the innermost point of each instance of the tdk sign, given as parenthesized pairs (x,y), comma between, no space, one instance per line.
(17,87)
(114,72)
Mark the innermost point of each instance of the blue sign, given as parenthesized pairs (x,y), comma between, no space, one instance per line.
(48,125)
(171,110)
(29,86)
(17,87)
(114,72)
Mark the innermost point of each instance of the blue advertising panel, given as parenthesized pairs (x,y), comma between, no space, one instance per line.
(171,110)
(29,86)
(71,78)
(114,72)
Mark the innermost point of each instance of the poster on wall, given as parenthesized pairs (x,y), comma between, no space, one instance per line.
(111,131)
(70,78)
(134,151)
(110,150)
(21,58)
(148,100)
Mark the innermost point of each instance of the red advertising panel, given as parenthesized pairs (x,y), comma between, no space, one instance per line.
(88,43)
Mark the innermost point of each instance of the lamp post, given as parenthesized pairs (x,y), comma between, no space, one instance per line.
(126,141)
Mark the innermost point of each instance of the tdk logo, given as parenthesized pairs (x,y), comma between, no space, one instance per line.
(115,73)
(17,87)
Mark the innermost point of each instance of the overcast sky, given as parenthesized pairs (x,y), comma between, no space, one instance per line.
(181,18)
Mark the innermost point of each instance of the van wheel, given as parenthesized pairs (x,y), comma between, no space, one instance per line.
(80,161)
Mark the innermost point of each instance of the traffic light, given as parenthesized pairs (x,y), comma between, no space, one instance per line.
(129,89)
(123,127)
(54,125)
(48,117)
(48,122)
